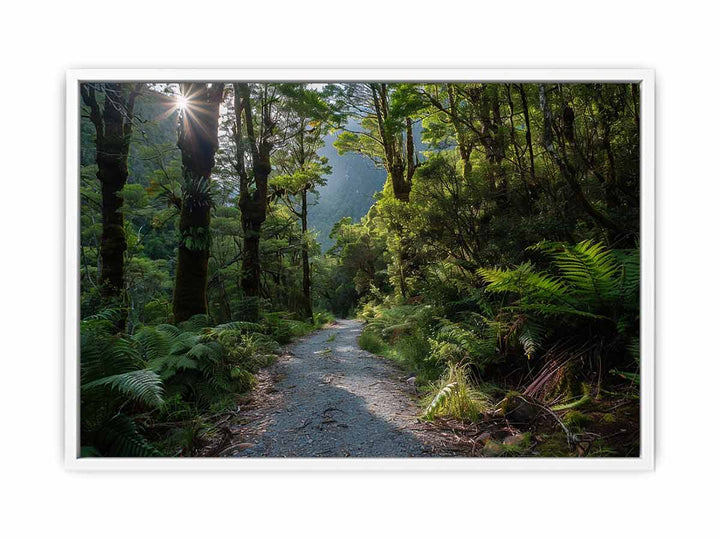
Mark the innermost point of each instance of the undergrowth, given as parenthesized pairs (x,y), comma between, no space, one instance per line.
(150,393)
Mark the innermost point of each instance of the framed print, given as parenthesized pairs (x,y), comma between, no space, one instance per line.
(360,269)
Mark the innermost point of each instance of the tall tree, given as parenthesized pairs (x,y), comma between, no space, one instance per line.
(111,108)
(386,137)
(303,169)
(385,134)
(198,142)
(254,129)
(264,122)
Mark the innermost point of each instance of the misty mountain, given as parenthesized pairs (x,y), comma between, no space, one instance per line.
(350,188)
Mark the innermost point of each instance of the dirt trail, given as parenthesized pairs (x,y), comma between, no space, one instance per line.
(326,397)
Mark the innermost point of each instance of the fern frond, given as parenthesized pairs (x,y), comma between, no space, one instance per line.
(531,337)
(102,356)
(154,343)
(169,329)
(629,260)
(183,343)
(167,366)
(524,280)
(553,310)
(210,352)
(143,386)
(589,267)
(195,323)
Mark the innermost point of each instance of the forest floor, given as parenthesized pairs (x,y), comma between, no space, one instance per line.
(326,397)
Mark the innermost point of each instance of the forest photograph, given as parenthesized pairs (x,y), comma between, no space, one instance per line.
(368,269)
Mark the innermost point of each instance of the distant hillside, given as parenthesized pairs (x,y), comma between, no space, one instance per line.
(349,191)
(350,188)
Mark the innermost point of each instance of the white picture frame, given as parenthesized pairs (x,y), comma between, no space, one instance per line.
(645,462)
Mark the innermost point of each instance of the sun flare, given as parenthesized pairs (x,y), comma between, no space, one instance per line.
(181,103)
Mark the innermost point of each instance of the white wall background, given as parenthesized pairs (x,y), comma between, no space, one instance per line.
(39,42)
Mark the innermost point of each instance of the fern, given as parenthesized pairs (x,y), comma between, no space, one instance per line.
(120,437)
(210,352)
(589,267)
(167,366)
(183,343)
(584,308)
(154,342)
(456,396)
(531,337)
(103,355)
(195,323)
(143,386)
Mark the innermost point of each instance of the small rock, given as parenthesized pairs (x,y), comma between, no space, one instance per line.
(492,449)
(484,437)
(516,440)
(411,382)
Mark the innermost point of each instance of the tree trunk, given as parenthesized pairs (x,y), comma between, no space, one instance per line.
(198,142)
(253,206)
(113,127)
(250,281)
(306,279)
(528,134)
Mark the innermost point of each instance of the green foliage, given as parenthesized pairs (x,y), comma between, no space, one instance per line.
(444,279)
(142,385)
(371,342)
(168,372)
(119,436)
(592,291)
(454,395)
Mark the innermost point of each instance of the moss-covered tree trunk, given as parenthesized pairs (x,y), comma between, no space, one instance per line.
(198,142)
(253,204)
(112,118)
(250,281)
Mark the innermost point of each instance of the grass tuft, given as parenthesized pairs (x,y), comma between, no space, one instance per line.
(454,395)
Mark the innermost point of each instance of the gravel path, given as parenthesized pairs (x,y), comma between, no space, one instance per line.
(328,398)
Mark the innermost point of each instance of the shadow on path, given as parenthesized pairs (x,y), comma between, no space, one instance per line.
(336,400)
